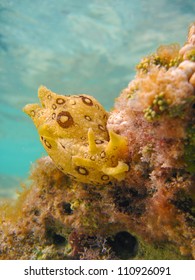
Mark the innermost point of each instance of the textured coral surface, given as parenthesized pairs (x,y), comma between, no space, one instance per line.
(147,214)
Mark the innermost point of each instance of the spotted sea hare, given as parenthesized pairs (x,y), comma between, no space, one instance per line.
(118,185)
(73,132)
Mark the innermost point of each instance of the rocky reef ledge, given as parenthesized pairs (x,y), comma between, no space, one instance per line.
(134,194)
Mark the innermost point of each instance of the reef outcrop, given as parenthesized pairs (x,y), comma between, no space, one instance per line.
(118,185)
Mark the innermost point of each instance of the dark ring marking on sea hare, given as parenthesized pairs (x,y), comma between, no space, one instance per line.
(101,127)
(60,101)
(72,102)
(63,146)
(103,154)
(82,170)
(32,113)
(98,141)
(49,96)
(97,106)
(54,106)
(88,118)
(86,100)
(64,119)
(105,178)
(47,144)
(53,116)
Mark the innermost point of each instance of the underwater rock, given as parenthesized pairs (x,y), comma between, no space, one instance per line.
(146,207)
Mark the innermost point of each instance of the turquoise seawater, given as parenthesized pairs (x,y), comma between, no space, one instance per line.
(72,46)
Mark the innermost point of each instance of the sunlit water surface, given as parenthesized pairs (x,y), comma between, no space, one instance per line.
(88,46)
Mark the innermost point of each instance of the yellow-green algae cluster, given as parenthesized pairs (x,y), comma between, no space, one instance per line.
(118,185)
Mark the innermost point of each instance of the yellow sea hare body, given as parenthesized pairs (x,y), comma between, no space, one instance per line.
(73,131)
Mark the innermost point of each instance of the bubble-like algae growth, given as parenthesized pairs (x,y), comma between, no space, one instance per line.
(116,185)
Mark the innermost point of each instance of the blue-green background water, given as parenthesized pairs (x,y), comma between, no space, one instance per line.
(72,46)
